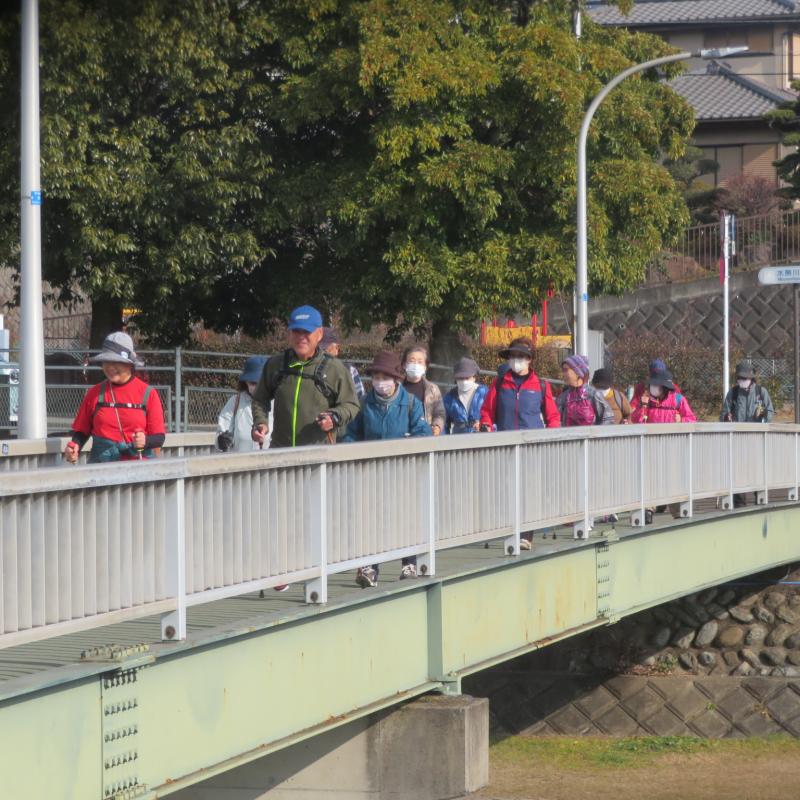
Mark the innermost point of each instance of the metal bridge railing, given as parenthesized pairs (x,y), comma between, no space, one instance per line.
(91,545)
(19,455)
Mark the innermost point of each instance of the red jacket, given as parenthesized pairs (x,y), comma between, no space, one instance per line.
(508,407)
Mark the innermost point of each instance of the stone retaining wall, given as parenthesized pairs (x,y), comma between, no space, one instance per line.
(542,704)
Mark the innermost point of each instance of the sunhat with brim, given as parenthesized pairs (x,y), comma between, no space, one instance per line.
(118,348)
(253,367)
(662,377)
(745,370)
(522,346)
(465,368)
(388,363)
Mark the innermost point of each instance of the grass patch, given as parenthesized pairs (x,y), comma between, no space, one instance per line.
(592,753)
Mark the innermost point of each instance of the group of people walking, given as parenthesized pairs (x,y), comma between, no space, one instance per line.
(308,396)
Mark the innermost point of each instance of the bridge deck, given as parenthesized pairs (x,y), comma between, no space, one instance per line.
(29,667)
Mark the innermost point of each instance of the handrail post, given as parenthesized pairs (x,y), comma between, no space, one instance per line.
(580,530)
(173,624)
(426,562)
(762,497)
(511,544)
(727,502)
(178,387)
(687,508)
(638,517)
(316,590)
(793,492)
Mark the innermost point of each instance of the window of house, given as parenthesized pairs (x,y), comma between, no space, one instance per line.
(758,40)
(733,160)
(794,57)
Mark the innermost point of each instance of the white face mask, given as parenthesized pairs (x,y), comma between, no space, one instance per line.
(519,365)
(743,383)
(465,384)
(656,391)
(415,371)
(383,388)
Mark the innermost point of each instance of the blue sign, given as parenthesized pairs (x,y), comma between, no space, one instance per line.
(36,198)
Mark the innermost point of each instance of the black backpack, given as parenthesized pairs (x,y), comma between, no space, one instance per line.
(318,376)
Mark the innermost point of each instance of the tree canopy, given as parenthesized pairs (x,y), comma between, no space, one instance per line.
(397,161)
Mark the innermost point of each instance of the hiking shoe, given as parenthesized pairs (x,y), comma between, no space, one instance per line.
(366,577)
(524,544)
(408,571)
(282,588)
(648,517)
(613,517)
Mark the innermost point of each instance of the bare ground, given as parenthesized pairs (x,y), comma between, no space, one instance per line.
(762,772)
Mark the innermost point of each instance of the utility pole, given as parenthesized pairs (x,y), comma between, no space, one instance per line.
(32,409)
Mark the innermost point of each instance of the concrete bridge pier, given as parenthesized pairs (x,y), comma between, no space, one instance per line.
(432,748)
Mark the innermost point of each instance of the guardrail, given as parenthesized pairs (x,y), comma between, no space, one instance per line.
(91,545)
(33,454)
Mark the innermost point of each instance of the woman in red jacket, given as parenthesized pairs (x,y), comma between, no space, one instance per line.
(122,414)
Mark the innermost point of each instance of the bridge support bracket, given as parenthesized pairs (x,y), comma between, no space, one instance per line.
(793,494)
(120,731)
(762,497)
(316,591)
(450,684)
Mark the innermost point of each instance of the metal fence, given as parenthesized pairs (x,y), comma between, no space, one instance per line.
(91,545)
(760,240)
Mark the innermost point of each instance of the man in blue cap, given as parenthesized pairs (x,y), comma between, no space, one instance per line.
(310,392)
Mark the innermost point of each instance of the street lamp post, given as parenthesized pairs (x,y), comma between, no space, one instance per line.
(32,414)
(581,340)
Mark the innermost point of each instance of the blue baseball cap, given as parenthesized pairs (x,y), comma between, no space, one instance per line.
(253,368)
(305,318)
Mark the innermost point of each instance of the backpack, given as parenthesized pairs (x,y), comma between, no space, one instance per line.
(318,376)
(103,403)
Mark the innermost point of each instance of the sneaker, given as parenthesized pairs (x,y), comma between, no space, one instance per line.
(282,588)
(366,577)
(524,544)
(613,518)
(408,571)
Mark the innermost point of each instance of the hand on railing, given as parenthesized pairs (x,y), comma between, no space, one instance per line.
(72,452)
(259,433)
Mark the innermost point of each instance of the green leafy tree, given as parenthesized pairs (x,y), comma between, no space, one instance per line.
(786,120)
(436,173)
(693,174)
(152,165)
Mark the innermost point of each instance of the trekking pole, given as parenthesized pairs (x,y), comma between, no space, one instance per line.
(139,451)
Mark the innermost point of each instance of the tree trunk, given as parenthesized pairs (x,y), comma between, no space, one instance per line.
(106,318)
(446,348)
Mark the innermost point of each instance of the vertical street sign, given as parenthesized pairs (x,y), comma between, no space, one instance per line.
(772,276)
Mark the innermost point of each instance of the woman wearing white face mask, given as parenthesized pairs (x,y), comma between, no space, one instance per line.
(415,364)
(517,398)
(661,402)
(388,411)
(462,405)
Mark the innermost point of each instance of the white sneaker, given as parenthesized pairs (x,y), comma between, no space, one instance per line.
(366,577)
(524,544)
(408,571)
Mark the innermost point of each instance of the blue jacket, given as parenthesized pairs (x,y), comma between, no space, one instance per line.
(402,416)
(457,417)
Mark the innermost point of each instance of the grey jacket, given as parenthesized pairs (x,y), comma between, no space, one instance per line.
(753,405)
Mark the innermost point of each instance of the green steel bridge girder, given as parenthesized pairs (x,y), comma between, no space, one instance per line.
(192,710)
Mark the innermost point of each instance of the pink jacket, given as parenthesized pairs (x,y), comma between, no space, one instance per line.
(667,409)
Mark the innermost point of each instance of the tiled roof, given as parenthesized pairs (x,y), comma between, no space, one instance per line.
(718,93)
(676,12)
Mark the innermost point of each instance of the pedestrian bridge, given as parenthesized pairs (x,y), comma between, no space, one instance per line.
(138,657)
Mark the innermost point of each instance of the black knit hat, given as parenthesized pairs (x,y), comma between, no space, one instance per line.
(602,378)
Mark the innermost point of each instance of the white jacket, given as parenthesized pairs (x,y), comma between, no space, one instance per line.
(242,439)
